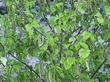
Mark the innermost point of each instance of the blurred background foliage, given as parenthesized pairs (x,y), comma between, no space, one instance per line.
(54,41)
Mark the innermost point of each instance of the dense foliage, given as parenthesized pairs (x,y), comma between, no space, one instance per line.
(55,41)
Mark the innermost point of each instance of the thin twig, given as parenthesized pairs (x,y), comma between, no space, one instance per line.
(49,24)
(39,32)
(48,4)
(30,68)
(92,76)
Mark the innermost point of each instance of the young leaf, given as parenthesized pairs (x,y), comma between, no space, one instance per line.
(84,53)
(68,63)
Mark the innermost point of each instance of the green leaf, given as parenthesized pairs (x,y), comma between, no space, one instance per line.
(77,46)
(81,10)
(68,63)
(68,52)
(84,45)
(53,20)
(99,18)
(107,9)
(43,48)
(86,35)
(29,29)
(58,5)
(3,40)
(3,60)
(50,40)
(9,42)
(35,23)
(107,35)
(60,71)
(84,53)
(29,14)
(72,39)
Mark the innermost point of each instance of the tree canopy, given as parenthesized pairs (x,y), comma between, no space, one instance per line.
(54,41)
